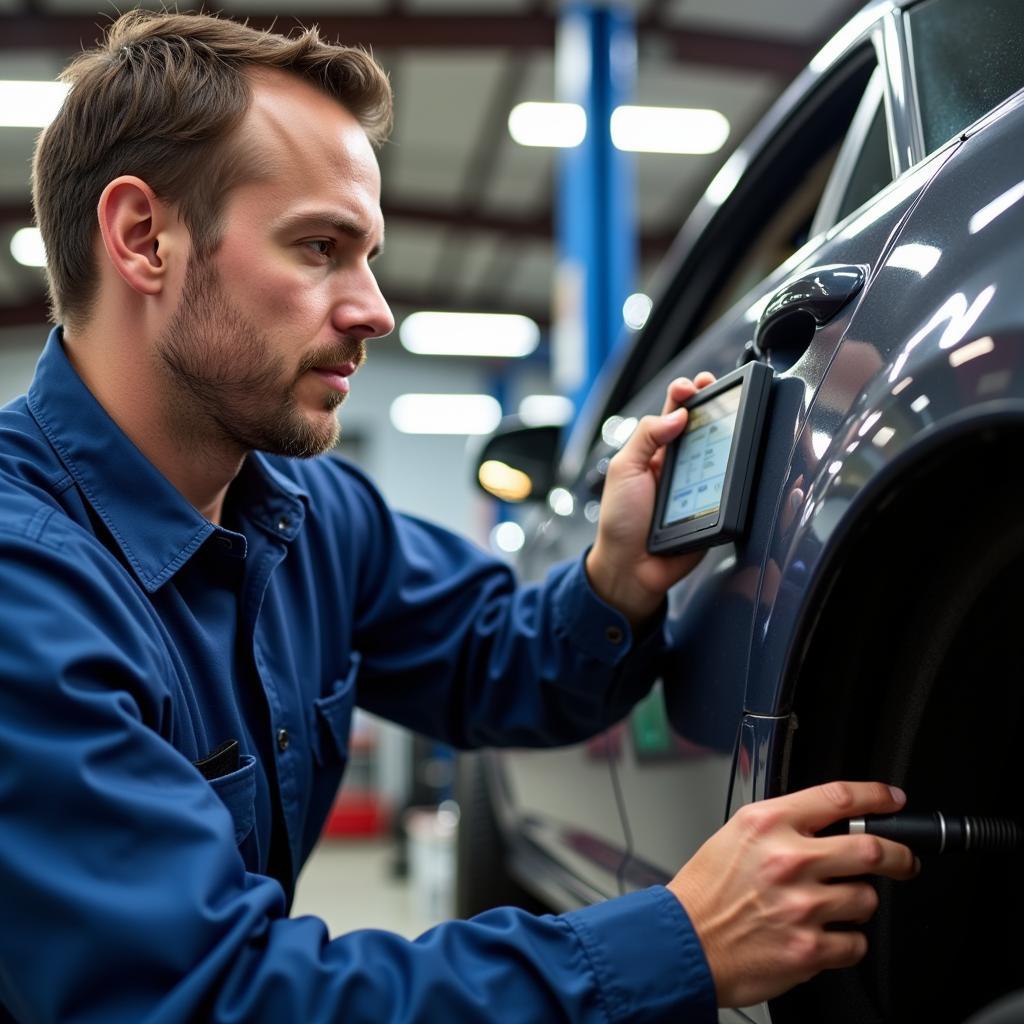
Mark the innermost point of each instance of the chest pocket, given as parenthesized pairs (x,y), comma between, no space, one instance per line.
(237,791)
(333,719)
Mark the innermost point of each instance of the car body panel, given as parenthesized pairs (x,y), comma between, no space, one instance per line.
(912,326)
(711,614)
(714,734)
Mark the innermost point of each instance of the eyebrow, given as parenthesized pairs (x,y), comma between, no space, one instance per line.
(340,224)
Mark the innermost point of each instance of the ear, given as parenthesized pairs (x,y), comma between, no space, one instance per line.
(140,234)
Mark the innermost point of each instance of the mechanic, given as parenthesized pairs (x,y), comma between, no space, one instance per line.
(190,604)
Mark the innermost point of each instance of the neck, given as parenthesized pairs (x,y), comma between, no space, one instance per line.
(126,378)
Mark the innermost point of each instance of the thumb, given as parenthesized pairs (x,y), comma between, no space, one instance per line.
(652,433)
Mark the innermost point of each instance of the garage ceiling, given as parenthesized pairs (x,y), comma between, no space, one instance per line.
(468,211)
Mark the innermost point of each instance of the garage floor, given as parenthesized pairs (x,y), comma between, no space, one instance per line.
(349,884)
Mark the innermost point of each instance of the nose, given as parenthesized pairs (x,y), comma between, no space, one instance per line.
(360,310)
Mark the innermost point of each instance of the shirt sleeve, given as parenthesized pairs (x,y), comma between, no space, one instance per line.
(125,898)
(452,647)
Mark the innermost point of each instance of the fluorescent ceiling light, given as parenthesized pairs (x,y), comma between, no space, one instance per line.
(509,335)
(562,125)
(546,410)
(30,104)
(668,129)
(27,247)
(445,414)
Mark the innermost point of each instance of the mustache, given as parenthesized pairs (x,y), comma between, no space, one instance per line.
(335,355)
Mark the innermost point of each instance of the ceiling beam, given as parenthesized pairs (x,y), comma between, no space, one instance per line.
(779,55)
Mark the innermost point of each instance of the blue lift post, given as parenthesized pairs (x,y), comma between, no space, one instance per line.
(595,66)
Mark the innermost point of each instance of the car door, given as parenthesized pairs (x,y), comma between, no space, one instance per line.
(702,321)
(675,769)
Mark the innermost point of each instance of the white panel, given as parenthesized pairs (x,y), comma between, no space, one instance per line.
(524,174)
(662,181)
(529,287)
(31,65)
(16,147)
(410,254)
(441,102)
(479,250)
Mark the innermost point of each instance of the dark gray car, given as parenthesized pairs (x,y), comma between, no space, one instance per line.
(867,241)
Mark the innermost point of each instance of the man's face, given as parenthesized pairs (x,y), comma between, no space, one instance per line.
(269,329)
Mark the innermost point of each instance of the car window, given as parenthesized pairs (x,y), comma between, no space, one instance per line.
(968,57)
(873,169)
(771,212)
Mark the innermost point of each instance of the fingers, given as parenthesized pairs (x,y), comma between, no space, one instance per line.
(840,949)
(679,390)
(842,856)
(811,810)
(652,433)
(682,388)
(849,902)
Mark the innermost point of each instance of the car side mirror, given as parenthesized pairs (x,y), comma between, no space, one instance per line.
(518,463)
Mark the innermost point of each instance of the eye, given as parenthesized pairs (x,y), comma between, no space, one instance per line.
(321,246)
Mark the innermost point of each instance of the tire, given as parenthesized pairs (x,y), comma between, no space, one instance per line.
(482,881)
(916,676)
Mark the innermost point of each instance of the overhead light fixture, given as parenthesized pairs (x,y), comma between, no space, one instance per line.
(559,125)
(30,104)
(561,501)
(636,129)
(636,309)
(27,247)
(445,414)
(668,129)
(546,410)
(508,536)
(508,335)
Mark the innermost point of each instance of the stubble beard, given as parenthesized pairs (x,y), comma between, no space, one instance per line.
(227,388)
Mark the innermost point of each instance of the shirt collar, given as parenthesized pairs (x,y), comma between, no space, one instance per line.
(150,520)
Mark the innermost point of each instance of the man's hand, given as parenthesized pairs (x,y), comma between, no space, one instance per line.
(620,570)
(761,891)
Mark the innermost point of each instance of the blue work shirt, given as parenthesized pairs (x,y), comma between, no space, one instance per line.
(137,637)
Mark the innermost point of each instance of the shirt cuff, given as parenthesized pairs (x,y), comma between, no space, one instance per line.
(647,960)
(596,628)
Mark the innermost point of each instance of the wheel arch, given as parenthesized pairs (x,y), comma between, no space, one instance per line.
(861,490)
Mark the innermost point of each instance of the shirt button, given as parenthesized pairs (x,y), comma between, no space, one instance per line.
(283,739)
(614,635)
(284,523)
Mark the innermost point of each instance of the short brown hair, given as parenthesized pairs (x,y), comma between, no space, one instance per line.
(161,98)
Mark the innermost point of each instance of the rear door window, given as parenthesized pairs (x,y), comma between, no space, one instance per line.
(968,58)
(872,171)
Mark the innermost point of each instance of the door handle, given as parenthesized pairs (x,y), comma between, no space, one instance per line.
(800,307)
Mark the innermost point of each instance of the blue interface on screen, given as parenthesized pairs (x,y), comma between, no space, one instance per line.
(702,458)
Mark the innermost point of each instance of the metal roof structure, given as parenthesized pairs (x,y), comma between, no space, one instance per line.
(468,211)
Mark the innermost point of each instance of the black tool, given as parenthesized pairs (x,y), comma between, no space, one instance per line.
(930,833)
